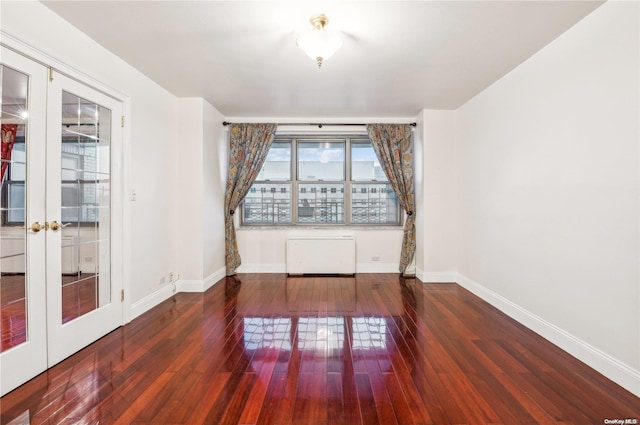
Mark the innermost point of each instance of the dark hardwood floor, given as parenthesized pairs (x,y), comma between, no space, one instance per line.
(374,349)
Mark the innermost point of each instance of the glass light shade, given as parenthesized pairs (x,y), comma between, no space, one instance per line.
(319,44)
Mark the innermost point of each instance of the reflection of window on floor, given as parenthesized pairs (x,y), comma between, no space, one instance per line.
(369,332)
(320,333)
(267,333)
(314,333)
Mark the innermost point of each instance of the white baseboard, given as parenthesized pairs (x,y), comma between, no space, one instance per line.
(436,277)
(184,285)
(200,285)
(214,278)
(150,301)
(617,371)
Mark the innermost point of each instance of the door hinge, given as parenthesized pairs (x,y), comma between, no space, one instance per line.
(122,121)
(50,73)
(122,295)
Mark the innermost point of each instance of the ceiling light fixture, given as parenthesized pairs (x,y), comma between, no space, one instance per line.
(318,42)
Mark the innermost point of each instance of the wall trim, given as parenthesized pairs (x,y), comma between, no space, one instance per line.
(201,285)
(420,274)
(195,285)
(147,303)
(437,277)
(612,368)
(214,278)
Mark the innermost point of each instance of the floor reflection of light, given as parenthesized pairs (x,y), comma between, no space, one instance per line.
(267,332)
(320,333)
(23,419)
(369,332)
(83,387)
(314,333)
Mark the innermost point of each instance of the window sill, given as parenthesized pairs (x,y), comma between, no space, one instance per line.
(319,227)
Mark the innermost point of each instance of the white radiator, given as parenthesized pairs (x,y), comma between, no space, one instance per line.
(69,255)
(321,255)
(12,251)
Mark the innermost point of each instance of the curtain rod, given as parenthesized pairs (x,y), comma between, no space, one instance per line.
(320,125)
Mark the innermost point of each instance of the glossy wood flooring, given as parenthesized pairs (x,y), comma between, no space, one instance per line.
(374,349)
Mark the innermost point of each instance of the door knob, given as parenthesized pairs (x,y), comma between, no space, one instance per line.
(36,227)
(54,225)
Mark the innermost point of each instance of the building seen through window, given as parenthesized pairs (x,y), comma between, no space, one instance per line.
(335,181)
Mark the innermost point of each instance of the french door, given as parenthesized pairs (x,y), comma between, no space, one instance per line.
(23,302)
(60,281)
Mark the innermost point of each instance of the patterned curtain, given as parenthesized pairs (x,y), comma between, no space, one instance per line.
(392,144)
(248,148)
(8,139)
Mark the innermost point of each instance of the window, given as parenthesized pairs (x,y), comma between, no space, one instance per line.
(269,199)
(321,181)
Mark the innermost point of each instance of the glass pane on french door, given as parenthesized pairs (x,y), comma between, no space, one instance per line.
(23,349)
(85,206)
(13,243)
(83,139)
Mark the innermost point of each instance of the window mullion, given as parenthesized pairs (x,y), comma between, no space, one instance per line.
(347,183)
(294,181)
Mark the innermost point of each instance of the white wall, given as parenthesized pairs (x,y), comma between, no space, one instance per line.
(152,128)
(215,162)
(189,201)
(549,193)
(435,168)
(418,184)
(199,203)
(263,250)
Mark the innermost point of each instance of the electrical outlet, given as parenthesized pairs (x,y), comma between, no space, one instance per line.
(162,280)
(375,258)
(170,277)
(133,195)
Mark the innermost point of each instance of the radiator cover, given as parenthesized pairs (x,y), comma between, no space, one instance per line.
(321,254)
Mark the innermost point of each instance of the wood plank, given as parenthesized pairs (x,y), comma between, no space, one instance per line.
(370,349)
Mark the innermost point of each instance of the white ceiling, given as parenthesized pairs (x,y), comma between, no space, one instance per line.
(397,58)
